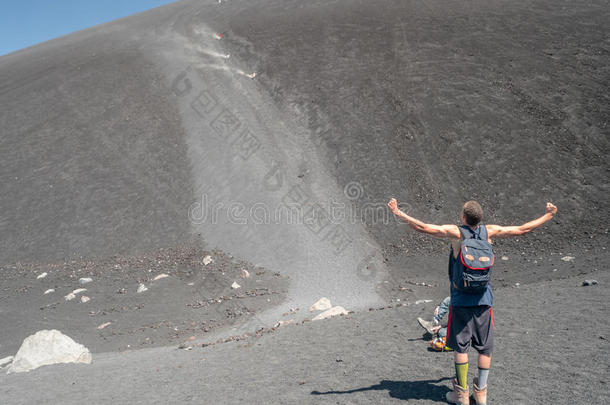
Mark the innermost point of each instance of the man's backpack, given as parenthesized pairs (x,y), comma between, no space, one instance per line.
(472,270)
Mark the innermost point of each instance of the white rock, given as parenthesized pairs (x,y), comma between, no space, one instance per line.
(321,305)
(160,276)
(141,288)
(191,284)
(504,257)
(207,260)
(245,273)
(41,275)
(84,299)
(70,297)
(6,361)
(568,258)
(48,347)
(330,312)
(79,290)
(422,302)
(85,280)
(235,285)
(102,326)
(49,291)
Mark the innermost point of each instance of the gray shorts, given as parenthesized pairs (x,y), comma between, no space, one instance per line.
(471,325)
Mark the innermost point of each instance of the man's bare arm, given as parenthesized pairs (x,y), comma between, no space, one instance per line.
(497,231)
(440,231)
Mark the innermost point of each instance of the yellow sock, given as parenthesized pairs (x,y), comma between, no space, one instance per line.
(461,372)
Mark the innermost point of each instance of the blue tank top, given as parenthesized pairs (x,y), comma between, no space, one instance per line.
(462,299)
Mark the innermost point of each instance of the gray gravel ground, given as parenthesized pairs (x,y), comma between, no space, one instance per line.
(551,348)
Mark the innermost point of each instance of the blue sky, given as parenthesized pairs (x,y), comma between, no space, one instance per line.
(28,22)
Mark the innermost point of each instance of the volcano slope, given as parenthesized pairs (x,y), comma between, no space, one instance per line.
(270,135)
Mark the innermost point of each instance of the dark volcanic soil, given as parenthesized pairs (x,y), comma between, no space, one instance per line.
(437,103)
(194,300)
(109,137)
(552,347)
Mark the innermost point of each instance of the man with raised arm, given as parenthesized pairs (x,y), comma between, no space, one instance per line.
(470,314)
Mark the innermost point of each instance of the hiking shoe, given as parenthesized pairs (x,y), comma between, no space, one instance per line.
(479,395)
(459,395)
(438,344)
(431,326)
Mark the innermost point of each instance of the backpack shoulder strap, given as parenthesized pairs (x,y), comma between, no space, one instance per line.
(483,233)
(466,232)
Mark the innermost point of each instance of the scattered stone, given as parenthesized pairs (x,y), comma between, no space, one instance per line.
(282,323)
(53,305)
(6,361)
(504,257)
(207,260)
(72,295)
(291,311)
(191,284)
(422,302)
(85,280)
(330,312)
(42,275)
(84,299)
(589,282)
(160,276)
(47,347)
(517,284)
(568,258)
(141,288)
(321,305)
(235,285)
(251,75)
(245,273)
(102,326)
(49,291)
(423,283)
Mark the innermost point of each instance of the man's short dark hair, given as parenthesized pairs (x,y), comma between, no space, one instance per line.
(473,213)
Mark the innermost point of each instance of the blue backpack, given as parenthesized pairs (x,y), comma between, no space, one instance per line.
(472,270)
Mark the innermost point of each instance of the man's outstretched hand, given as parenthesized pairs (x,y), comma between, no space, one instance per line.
(393,205)
(551,209)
